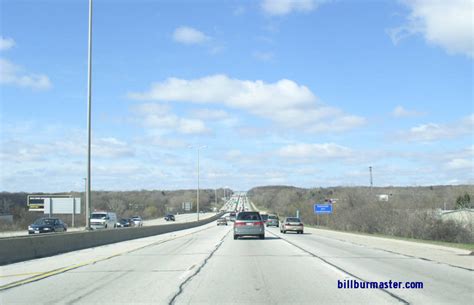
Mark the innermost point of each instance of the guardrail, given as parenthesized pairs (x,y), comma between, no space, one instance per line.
(18,249)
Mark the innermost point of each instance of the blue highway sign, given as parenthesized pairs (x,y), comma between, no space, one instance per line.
(320,208)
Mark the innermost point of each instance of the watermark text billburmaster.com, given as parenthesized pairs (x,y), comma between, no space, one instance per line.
(355,284)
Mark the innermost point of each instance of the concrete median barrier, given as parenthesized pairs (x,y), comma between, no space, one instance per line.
(17,249)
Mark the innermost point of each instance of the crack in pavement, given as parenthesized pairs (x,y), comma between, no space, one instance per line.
(181,286)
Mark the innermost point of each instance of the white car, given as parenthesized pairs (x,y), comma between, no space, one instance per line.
(103,220)
(137,221)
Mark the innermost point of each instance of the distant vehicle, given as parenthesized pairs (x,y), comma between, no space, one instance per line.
(103,220)
(264,217)
(273,221)
(124,223)
(249,224)
(222,221)
(137,221)
(232,216)
(292,224)
(169,217)
(47,225)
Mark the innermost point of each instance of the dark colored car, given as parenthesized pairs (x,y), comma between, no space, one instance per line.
(170,217)
(124,223)
(47,225)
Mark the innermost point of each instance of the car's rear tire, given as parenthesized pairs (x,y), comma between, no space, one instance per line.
(262,236)
(236,236)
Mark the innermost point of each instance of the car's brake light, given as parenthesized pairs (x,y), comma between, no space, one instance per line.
(238,224)
(258,223)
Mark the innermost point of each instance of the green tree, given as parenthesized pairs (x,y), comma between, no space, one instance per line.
(463,201)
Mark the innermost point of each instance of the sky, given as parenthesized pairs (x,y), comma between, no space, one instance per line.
(308,93)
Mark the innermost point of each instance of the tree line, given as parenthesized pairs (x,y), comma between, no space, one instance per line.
(409,211)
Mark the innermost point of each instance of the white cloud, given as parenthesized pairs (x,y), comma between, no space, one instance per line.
(444,23)
(434,132)
(188,35)
(284,102)
(11,74)
(460,164)
(284,7)
(6,43)
(159,117)
(21,151)
(233,154)
(110,147)
(211,114)
(401,112)
(323,151)
(263,56)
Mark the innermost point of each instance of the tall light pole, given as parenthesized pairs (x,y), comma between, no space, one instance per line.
(198,148)
(89,111)
(371,179)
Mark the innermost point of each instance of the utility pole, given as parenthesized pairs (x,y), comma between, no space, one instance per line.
(198,190)
(89,111)
(197,193)
(371,178)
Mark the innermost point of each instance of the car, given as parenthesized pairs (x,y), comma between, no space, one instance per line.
(249,224)
(221,221)
(169,217)
(232,216)
(124,223)
(273,221)
(264,217)
(103,220)
(292,224)
(47,225)
(137,221)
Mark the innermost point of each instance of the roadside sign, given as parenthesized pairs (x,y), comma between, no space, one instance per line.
(187,206)
(320,208)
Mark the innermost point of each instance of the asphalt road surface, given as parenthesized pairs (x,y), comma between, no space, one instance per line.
(206,266)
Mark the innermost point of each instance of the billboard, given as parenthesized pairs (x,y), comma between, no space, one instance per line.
(187,206)
(62,206)
(54,204)
(35,204)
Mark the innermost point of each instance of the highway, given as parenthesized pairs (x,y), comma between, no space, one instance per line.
(205,265)
(149,222)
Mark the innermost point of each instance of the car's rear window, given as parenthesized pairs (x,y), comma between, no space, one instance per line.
(293,219)
(272,217)
(248,216)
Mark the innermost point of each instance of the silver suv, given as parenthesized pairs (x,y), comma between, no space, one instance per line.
(249,224)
